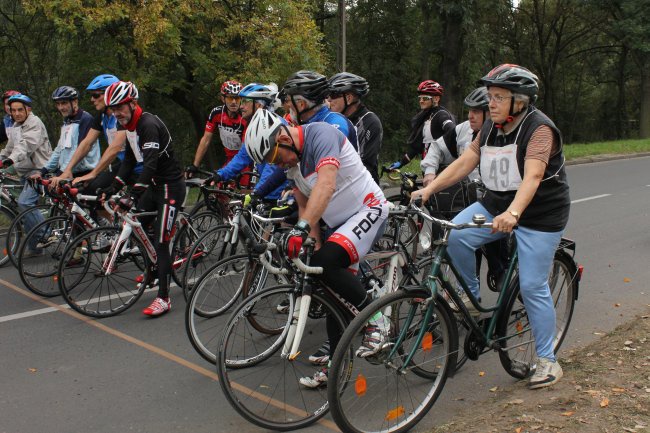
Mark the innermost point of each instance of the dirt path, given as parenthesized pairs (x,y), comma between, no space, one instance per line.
(605,389)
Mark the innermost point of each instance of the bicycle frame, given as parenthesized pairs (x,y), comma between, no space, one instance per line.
(130,225)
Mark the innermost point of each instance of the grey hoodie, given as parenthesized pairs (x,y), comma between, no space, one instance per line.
(28,146)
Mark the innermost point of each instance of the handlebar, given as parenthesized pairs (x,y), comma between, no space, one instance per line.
(297,262)
(478,220)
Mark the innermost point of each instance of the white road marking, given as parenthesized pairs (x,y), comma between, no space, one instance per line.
(590,198)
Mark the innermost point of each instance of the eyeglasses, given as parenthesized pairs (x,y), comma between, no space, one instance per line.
(425,98)
(245,100)
(275,155)
(497,98)
(335,95)
(96,95)
(232,98)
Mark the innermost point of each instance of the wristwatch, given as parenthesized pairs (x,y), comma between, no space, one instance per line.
(303,226)
(515,214)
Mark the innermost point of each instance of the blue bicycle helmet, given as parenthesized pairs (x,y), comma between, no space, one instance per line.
(263,92)
(21,98)
(65,93)
(101,82)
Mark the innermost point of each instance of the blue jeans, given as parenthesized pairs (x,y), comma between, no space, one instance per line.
(29,198)
(536,250)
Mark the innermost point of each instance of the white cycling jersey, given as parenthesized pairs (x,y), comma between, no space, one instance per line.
(322,144)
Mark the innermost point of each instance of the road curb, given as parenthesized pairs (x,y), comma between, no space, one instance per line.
(607,157)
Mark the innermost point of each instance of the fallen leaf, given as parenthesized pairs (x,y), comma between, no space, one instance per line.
(568,413)
(617,305)
(604,402)
(618,389)
(626,280)
(599,333)
(32,370)
(516,401)
(518,430)
(481,373)
(628,342)
(495,389)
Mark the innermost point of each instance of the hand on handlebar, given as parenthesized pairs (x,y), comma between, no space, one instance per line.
(295,239)
(124,204)
(504,223)
(421,195)
(190,171)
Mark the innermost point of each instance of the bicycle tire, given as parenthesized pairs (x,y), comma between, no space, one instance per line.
(17,228)
(87,289)
(7,216)
(256,280)
(38,273)
(215,292)
(260,384)
(374,400)
(185,238)
(206,251)
(518,354)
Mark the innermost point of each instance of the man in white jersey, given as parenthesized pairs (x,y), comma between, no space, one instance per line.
(331,183)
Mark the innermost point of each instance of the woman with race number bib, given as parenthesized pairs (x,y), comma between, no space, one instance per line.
(520,158)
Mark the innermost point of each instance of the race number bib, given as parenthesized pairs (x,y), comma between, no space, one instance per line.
(230,139)
(499,169)
(110,135)
(66,136)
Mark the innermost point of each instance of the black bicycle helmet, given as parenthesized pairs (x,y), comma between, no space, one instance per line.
(478,99)
(512,77)
(309,84)
(65,93)
(347,82)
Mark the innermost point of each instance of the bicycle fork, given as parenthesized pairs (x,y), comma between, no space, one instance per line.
(297,327)
(109,262)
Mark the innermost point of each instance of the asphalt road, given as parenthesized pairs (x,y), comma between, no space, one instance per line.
(61,372)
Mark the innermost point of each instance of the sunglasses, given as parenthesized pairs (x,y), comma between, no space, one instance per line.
(425,98)
(335,95)
(96,95)
(232,98)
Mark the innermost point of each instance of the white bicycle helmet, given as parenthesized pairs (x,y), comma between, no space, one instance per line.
(266,93)
(260,134)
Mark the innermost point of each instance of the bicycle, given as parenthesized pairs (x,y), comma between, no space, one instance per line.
(394,388)
(51,237)
(115,265)
(8,209)
(254,376)
(228,280)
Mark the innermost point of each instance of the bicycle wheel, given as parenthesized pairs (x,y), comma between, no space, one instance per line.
(6,218)
(185,238)
(40,252)
(17,229)
(261,384)
(518,353)
(208,249)
(381,393)
(215,292)
(83,280)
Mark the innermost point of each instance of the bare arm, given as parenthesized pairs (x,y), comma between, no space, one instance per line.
(203,148)
(107,157)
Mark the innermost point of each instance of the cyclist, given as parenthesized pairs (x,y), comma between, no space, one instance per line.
(76,126)
(332,184)
(150,142)
(455,141)
(228,120)
(307,91)
(429,124)
(346,91)
(106,122)
(529,190)
(7,120)
(28,149)
(255,97)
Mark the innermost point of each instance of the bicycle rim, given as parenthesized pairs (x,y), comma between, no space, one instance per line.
(86,286)
(38,273)
(6,217)
(381,393)
(258,382)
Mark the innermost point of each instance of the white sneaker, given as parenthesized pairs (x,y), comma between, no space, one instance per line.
(316,381)
(322,355)
(375,337)
(546,374)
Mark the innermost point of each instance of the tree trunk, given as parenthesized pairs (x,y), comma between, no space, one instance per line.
(425,40)
(620,126)
(451,55)
(644,112)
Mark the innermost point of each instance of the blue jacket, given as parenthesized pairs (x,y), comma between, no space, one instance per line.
(338,121)
(243,160)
